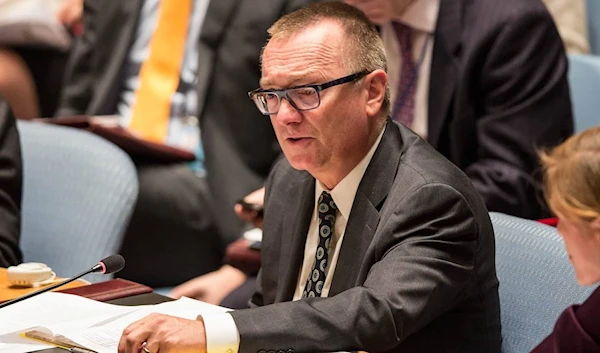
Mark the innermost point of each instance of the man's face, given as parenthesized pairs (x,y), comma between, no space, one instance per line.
(330,140)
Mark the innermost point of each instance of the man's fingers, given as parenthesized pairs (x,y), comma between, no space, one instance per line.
(135,335)
(150,347)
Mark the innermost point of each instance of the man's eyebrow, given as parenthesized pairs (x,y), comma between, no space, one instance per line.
(295,81)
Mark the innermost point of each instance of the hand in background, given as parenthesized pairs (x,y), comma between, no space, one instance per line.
(69,12)
(256,197)
(212,287)
(162,333)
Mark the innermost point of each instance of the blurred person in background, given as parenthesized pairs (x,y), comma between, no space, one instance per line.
(184,217)
(31,75)
(485,83)
(572,188)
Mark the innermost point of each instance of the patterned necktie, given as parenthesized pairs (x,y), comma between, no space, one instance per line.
(404,105)
(316,278)
(160,73)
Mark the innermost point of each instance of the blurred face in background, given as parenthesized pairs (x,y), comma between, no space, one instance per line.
(381,11)
(582,241)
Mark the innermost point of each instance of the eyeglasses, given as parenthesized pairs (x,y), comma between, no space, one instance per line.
(305,97)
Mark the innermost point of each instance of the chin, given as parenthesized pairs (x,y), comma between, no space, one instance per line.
(587,280)
(301,162)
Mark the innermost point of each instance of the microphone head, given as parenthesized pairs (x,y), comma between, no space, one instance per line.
(112,264)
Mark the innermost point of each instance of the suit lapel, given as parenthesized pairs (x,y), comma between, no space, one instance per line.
(216,21)
(444,66)
(364,217)
(292,252)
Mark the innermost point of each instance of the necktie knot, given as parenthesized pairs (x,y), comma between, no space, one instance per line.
(326,205)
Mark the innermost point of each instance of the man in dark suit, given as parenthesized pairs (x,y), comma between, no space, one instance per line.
(182,218)
(11,180)
(491,88)
(372,240)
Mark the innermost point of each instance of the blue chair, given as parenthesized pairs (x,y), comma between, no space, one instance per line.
(537,282)
(584,81)
(79,191)
(593,20)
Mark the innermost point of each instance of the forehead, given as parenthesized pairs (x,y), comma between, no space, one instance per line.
(311,54)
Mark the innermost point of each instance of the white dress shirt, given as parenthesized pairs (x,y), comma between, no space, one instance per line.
(222,335)
(421,16)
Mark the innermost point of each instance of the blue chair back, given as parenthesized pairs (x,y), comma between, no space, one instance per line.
(537,282)
(593,20)
(79,191)
(584,81)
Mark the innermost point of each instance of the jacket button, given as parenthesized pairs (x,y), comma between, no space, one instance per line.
(281,351)
(290,351)
(262,351)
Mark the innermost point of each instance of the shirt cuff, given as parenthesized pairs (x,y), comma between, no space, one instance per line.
(222,335)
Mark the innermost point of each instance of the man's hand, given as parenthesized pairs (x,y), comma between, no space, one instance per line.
(258,198)
(162,333)
(378,11)
(212,287)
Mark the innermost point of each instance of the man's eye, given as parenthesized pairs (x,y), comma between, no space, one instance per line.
(306,92)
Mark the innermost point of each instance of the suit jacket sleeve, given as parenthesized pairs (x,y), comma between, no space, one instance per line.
(78,81)
(525,105)
(424,259)
(10,193)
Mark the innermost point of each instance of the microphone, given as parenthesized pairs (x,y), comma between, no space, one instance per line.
(111,264)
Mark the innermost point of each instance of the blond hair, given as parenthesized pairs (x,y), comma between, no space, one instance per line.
(572,176)
(363,49)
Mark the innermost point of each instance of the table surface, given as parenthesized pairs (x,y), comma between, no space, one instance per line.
(7,292)
(142,299)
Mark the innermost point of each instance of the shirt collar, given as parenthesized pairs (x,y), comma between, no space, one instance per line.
(344,192)
(421,15)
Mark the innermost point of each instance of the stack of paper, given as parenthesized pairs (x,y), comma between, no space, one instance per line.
(91,324)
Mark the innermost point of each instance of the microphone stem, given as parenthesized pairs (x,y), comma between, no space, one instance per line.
(45,289)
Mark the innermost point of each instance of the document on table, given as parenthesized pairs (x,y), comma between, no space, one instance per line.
(91,324)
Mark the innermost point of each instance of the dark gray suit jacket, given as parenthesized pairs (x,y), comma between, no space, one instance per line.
(239,144)
(416,271)
(498,90)
(11,184)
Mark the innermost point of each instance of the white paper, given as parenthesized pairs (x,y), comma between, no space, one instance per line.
(90,323)
(105,338)
(57,313)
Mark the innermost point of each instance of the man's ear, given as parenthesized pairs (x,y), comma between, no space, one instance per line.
(376,83)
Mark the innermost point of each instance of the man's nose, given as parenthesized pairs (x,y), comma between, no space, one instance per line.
(287,113)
